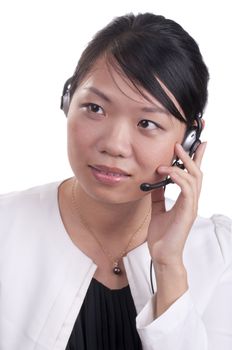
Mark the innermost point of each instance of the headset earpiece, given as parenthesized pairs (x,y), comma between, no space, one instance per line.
(65,98)
(192,137)
(191,142)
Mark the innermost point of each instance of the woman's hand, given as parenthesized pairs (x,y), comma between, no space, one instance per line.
(168,230)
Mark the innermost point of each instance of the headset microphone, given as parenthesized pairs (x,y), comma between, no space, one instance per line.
(148,187)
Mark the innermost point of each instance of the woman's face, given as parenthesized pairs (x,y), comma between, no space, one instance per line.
(116,137)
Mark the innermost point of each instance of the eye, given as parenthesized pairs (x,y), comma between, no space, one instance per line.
(148,124)
(93,107)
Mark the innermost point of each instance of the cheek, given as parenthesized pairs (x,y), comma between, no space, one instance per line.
(156,154)
(161,150)
(77,138)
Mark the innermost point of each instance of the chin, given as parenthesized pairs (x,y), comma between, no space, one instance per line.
(113,195)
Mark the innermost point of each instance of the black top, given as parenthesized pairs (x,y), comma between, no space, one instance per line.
(106,321)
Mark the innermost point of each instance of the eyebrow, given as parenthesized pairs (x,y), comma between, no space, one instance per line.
(154,109)
(99,93)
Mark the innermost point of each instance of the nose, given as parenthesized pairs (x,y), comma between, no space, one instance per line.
(116,140)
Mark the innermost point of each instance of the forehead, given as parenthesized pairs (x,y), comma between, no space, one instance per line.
(112,80)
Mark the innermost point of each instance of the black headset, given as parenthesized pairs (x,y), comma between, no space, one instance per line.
(190,145)
(65,98)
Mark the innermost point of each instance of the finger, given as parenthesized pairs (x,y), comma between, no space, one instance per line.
(191,166)
(198,156)
(180,173)
(189,195)
(189,184)
(194,181)
(185,181)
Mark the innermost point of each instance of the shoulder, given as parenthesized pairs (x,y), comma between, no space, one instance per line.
(222,229)
(209,238)
(21,200)
(28,193)
(212,237)
(23,209)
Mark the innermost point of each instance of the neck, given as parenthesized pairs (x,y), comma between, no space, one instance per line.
(116,219)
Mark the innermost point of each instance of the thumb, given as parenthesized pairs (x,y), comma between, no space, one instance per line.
(158,200)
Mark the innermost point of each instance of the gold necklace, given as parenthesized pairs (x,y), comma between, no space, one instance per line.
(115,260)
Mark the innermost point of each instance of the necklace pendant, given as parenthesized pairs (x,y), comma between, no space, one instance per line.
(116,269)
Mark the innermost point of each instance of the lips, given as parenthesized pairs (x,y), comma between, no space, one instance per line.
(110,170)
(109,176)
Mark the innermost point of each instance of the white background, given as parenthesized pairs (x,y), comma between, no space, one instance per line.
(41,42)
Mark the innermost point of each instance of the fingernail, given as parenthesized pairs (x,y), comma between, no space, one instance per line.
(162,168)
(178,145)
(205,144)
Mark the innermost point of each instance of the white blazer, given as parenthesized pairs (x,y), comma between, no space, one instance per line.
(44,278)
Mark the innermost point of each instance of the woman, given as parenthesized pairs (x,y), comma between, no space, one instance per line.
(81,259)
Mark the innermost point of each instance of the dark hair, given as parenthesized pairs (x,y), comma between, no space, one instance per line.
(146,47)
